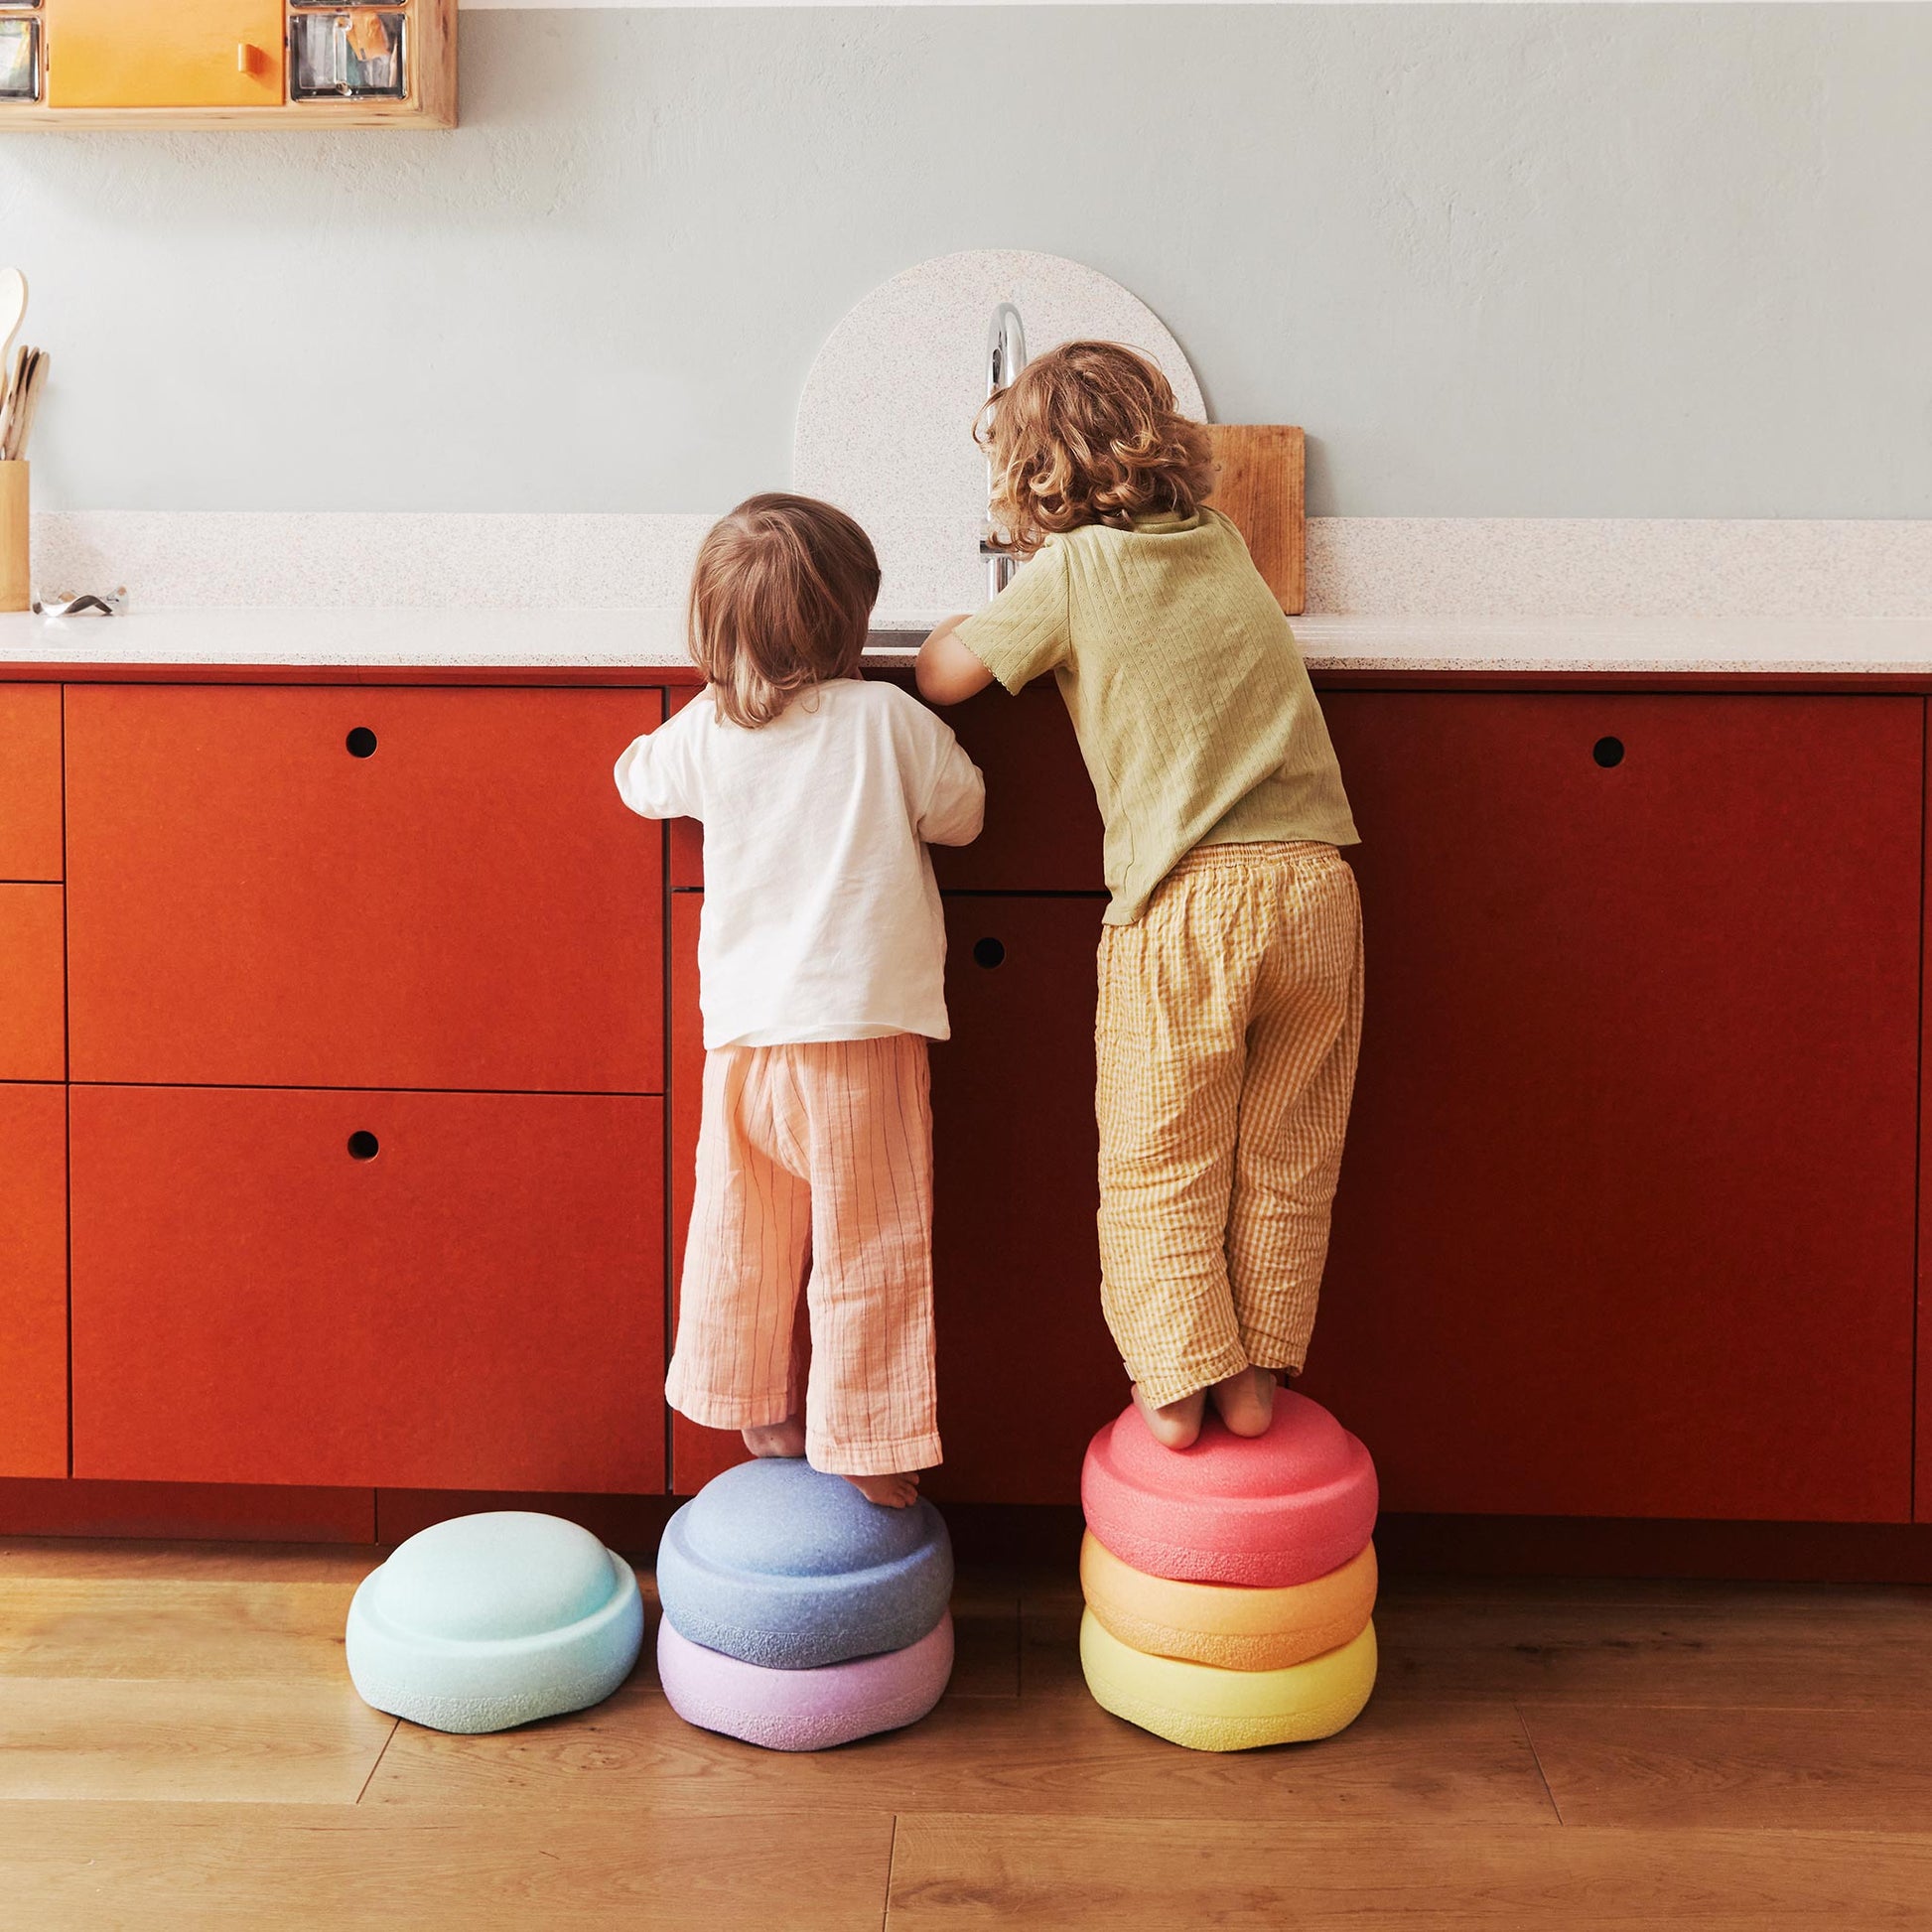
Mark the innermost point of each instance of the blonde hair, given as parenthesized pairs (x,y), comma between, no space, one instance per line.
(1089,432)
(780,598)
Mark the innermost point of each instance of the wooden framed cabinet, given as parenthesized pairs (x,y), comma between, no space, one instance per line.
(1628,1207)
(223,63)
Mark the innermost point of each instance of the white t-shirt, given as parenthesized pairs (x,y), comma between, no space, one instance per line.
(821,915)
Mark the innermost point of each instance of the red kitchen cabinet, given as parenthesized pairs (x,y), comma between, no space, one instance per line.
(34,1280)
(1027,1371)
(408,1290)
(1626,1219)
(1922,1489)
(32,1016)
(30,781)
(373,887)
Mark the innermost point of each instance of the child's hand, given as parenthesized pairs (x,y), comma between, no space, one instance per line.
(947,671)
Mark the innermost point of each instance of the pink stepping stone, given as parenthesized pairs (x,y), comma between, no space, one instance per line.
(1276,1509)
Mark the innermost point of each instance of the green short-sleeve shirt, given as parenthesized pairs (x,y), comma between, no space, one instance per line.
(1189,698)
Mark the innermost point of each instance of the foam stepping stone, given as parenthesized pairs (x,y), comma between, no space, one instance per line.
(1281,1508)
(491,1620)
(778,1564)
(1229,1625)
(1210,1709)
(804,1710)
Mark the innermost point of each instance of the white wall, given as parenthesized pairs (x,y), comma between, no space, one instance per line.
(1537,260)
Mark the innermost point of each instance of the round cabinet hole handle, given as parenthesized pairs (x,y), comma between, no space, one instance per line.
(360,743)
(363,1146)
(1607,752)
(987,954)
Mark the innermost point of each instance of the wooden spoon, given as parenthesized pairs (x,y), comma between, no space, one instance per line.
(13,306)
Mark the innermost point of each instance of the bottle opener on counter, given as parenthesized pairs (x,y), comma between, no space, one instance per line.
(80,603)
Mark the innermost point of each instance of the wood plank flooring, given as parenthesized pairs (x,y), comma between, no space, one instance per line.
(179,1748)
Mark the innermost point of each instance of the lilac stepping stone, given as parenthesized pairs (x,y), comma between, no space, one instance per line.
(803,1710)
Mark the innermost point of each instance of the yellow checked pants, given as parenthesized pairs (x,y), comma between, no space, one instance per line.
(1229,1019)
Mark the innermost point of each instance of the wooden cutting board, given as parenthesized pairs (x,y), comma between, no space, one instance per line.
(1260,489)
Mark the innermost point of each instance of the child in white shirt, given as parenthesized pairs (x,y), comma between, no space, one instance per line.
(821,960)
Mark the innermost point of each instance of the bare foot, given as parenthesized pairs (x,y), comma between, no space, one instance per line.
(1174,1425)
(1246,1401)
(890,1492)
(785,1437)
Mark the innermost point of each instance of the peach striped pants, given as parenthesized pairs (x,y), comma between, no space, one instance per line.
(816,1159)
(1229,1019)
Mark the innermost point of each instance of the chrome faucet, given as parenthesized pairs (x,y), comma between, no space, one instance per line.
(1005,356)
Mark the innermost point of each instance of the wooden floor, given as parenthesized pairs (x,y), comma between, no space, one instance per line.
(179,1747)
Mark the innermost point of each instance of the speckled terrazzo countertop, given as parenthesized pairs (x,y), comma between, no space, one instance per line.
(609,642)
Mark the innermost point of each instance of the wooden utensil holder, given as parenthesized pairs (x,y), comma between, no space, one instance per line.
(16,545)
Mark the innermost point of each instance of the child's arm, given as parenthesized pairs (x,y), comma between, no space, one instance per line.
(655,775)
(1025,632)
(956,807)
(947,671)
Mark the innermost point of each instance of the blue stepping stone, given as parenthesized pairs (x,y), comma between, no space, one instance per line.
(778,1564)
(487,1622)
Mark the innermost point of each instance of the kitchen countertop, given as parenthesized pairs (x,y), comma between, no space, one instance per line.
(608,643)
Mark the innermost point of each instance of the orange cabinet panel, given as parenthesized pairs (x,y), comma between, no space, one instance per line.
(1626,1217)
(34,1281)
(1027,1371)
(30,781)
(469,1298)
(32,1016)
(165,53)
(382,888)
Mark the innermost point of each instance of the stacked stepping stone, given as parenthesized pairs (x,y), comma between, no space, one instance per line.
(797,1615)
(1229,1587)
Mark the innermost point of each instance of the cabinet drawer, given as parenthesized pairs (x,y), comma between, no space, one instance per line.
(1042,828)
(33,1017)
(33,1281)
(383,887)
(30,781)
(435,1290)
(163,52)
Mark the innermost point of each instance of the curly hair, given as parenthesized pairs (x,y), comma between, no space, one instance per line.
(1089,432)
(780,599)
